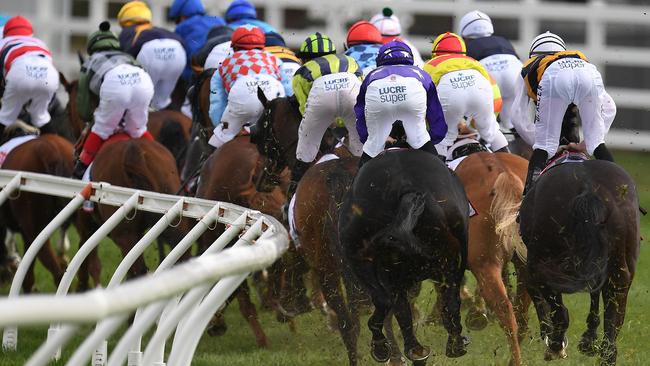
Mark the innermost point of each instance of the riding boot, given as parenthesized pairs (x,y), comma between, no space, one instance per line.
(535,167)
(297,171)
(79,170)
(602,153)
(2,130)
(364,159)
(47,128)
(503,149)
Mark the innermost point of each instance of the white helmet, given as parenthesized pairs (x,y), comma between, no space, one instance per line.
(387,23)
(546,43)
(475,24)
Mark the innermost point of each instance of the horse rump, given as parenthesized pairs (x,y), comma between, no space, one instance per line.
(583,265)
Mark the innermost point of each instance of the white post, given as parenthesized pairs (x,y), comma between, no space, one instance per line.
(10,334)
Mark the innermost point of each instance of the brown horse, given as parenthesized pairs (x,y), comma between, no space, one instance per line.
(494,184)
(29,213)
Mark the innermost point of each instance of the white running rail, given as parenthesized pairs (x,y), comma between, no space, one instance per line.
(202,283)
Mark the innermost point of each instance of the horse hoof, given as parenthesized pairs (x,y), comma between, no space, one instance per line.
(550,354)
(217,327)
(608,353)
(587,346)
(380,350)
(456,346)
(396,361)
(476,320)
(418,353)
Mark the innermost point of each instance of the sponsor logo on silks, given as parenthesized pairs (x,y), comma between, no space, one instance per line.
(36,72)
(392,94)
(462,81)
(252,85)
(164,53)
(129,79)
(570,63)
(495,66)
(337,84)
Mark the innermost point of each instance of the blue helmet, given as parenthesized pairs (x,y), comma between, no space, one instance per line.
(395,53)
(274,39)
(240,9)
(186,8)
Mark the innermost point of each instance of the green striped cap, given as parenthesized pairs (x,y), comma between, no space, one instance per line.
(316,45)
(102,40)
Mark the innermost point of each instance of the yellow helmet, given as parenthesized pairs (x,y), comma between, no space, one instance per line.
(134,12)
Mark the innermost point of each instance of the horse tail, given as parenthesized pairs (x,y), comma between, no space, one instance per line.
(410,208)
(504,210)
(586,265)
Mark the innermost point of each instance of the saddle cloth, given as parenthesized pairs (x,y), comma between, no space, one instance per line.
(6,148)
(563,158)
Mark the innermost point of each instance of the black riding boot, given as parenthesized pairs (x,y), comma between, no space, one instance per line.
(2,130)
(364,159)
(602,153)
(535,167)
(47,128)
(79,170)
(431,148)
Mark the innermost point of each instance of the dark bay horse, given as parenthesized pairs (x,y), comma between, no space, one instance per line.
(580,223)
(29,213)
(404,220)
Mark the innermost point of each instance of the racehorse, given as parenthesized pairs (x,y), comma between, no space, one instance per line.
(404,220)
(494,184)
(580,223)
(29,213)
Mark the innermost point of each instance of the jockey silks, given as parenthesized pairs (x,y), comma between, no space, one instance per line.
(365,55)
(534,68)
(480,48)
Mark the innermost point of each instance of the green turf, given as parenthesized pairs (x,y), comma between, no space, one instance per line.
(315,344)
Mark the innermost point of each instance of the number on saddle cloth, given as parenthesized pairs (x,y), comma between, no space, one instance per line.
(563,158)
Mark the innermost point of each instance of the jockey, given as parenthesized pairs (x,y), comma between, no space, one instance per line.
(495,53)
(193,26)
(363,43)
(288,61)
(390,28)
(215,50)
(242,12)
(28,76)
(158,50)
(554,78)
(237,81)
(124,90)
(326,88)
(398,91)
(465,89)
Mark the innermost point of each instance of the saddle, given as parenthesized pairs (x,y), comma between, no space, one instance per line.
(563,158)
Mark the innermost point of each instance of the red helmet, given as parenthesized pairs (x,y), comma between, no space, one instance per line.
(448,43)
(363,32)
(18,26)
(248,38)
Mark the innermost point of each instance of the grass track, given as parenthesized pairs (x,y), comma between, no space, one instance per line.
(315,345)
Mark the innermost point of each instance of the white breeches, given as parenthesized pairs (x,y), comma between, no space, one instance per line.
(124,99)
(331,96)
(164,60)
(30,78)
(505,69)
(391,99)
(243,105)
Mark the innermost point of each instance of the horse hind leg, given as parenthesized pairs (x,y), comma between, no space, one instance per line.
(615,301)
(412,348)
(522,299)
(587,345)
(456,342)
(495,294)
(380,348)
(556,341)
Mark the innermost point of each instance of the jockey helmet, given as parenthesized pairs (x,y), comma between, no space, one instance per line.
(448,43)
(186,8)
(363,32)
(134,12)
(387,23)
(546,43)
(17,26)
(102,40)
(248,38)
(475,24)
(240,9)
(316,45)
(274,39)
(395,53)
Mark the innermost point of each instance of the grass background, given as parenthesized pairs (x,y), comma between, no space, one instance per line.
(314,344)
